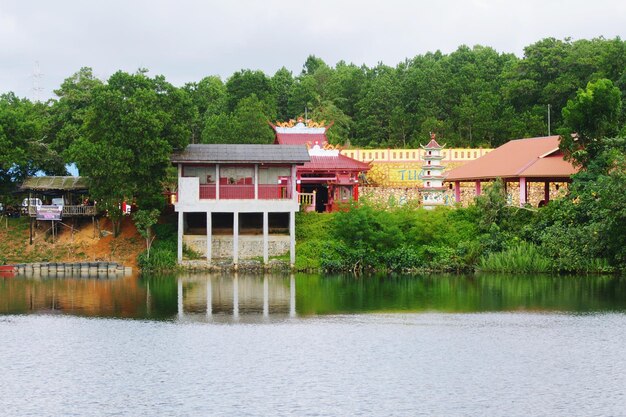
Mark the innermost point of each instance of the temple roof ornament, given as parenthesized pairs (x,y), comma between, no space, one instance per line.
(433,143)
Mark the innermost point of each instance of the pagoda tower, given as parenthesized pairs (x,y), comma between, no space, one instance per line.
(432,189)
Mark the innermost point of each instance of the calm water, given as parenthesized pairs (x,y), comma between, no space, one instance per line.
(309,345)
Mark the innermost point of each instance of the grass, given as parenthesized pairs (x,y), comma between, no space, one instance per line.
(521,258)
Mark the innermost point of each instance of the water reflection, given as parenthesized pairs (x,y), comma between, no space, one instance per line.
(243,298)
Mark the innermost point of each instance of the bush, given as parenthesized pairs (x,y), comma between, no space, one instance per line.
(523,257)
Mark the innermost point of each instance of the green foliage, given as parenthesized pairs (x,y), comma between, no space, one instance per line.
(25,146)
(364,237)
(163,253)
(520,258)
(592,116)
(131,128)
(247,124)
(144,220)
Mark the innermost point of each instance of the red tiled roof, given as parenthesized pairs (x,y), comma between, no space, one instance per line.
(433,145)
(534,157)
(301,138)
(334,163)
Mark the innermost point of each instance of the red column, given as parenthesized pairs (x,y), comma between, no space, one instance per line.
(523,196)
(546,191)
(355,192)
(457,191)
(478,188)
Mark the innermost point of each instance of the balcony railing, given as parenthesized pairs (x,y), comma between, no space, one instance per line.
(207,191)
(274,192)
(70,211)
(246,192)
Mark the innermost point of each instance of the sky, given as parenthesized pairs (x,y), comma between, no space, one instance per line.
(186,40)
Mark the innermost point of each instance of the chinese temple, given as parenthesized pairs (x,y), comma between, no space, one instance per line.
(431,175)
(330,178)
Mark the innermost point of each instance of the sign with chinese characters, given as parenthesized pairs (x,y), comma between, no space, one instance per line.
(49,213)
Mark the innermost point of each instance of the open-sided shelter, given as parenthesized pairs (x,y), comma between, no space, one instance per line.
(70,189)
(521,160)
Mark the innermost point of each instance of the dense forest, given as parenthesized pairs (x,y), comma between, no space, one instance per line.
(120,132)
(470,97)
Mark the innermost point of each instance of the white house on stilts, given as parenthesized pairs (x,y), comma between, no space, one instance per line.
(237,201)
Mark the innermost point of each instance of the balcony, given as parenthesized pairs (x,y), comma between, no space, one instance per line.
(245,192)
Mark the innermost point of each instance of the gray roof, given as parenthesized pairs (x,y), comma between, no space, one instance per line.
(55,183)
(224,153)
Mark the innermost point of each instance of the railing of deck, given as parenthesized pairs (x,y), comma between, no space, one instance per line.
(307,201)
(69,211)
(246,192)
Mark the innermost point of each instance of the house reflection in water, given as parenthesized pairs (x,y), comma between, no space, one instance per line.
(233,296)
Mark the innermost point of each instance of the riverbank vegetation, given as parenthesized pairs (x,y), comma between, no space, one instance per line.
(121,131)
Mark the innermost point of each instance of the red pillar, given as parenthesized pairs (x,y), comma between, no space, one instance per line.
(355,192)
(546,191)
(523,195)
(478,188)
(457,191)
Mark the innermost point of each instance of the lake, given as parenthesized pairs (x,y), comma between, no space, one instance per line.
(233,345)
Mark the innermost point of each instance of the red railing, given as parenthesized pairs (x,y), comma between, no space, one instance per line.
(246,192)
(237,192)
(207,191)
(274,192)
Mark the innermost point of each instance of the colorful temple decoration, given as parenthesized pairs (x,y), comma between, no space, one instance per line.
(432,175)
(330,178)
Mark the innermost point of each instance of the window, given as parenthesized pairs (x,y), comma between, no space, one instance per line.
(206,173)
(413,155)
(243,175)
(456,155)
(394,155)
(407,155)
(272,175)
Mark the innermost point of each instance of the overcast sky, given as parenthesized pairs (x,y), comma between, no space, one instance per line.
(187,40)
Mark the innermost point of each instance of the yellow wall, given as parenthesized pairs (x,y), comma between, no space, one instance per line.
(401,167)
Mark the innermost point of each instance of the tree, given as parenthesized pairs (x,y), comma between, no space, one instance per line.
(24,141)
(244,83)
(144,220)
(70,110)
(589,118)
(247,124)
(282,83)
(209,98)
(132,126)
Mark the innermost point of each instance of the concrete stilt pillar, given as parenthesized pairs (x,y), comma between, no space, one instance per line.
(292,238)
(235,238)
(265,237)
(209,297)
(209,237)
(180,235)
(292,296)
(236,296)
(179,293)
(523,196)
(266,297)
